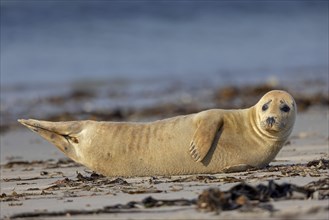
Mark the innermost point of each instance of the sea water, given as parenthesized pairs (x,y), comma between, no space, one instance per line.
(145,47)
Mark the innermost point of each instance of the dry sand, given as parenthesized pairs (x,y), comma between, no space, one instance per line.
(36,182)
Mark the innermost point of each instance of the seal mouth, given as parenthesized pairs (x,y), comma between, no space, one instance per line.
(272,127)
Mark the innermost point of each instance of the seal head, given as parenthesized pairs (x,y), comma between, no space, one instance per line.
(276,113)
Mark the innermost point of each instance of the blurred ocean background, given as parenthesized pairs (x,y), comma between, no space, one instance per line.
(148,51)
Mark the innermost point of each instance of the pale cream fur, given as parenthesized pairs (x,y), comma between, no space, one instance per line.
(211,141)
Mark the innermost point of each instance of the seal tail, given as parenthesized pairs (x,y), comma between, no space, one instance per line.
(62,134)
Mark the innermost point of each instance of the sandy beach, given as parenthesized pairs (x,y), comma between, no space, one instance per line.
(141,61)
(38,181)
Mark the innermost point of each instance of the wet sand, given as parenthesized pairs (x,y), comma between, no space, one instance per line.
(37,181)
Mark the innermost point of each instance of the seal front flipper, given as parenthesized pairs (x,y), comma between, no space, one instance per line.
(237,168)
(64,135)
(207,126)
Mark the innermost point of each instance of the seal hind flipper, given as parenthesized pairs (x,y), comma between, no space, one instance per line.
(62,134)
(204,135)
(63,128)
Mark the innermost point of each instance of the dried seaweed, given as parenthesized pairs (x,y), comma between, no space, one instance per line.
(66,182)
(21,179)
(14,196)
(130,207)
(319,164)
(62,163)
(47,164)
(86,183)
(93,176)
(141,190)
(313,168)
(320,188)
(11,164)
(247,195)
(70,213)
(24,183)
(15,204)
(195,178)
(150,202)
(241,196)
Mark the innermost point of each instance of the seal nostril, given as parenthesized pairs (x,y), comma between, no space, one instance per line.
(270,121)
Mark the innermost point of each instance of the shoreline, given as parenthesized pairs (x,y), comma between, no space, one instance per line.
(80,103)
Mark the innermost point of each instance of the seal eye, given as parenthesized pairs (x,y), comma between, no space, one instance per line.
(285,108)
(265,107)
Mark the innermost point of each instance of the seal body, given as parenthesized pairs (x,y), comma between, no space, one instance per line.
(210,141)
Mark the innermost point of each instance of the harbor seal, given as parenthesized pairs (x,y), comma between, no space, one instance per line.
(210,141)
